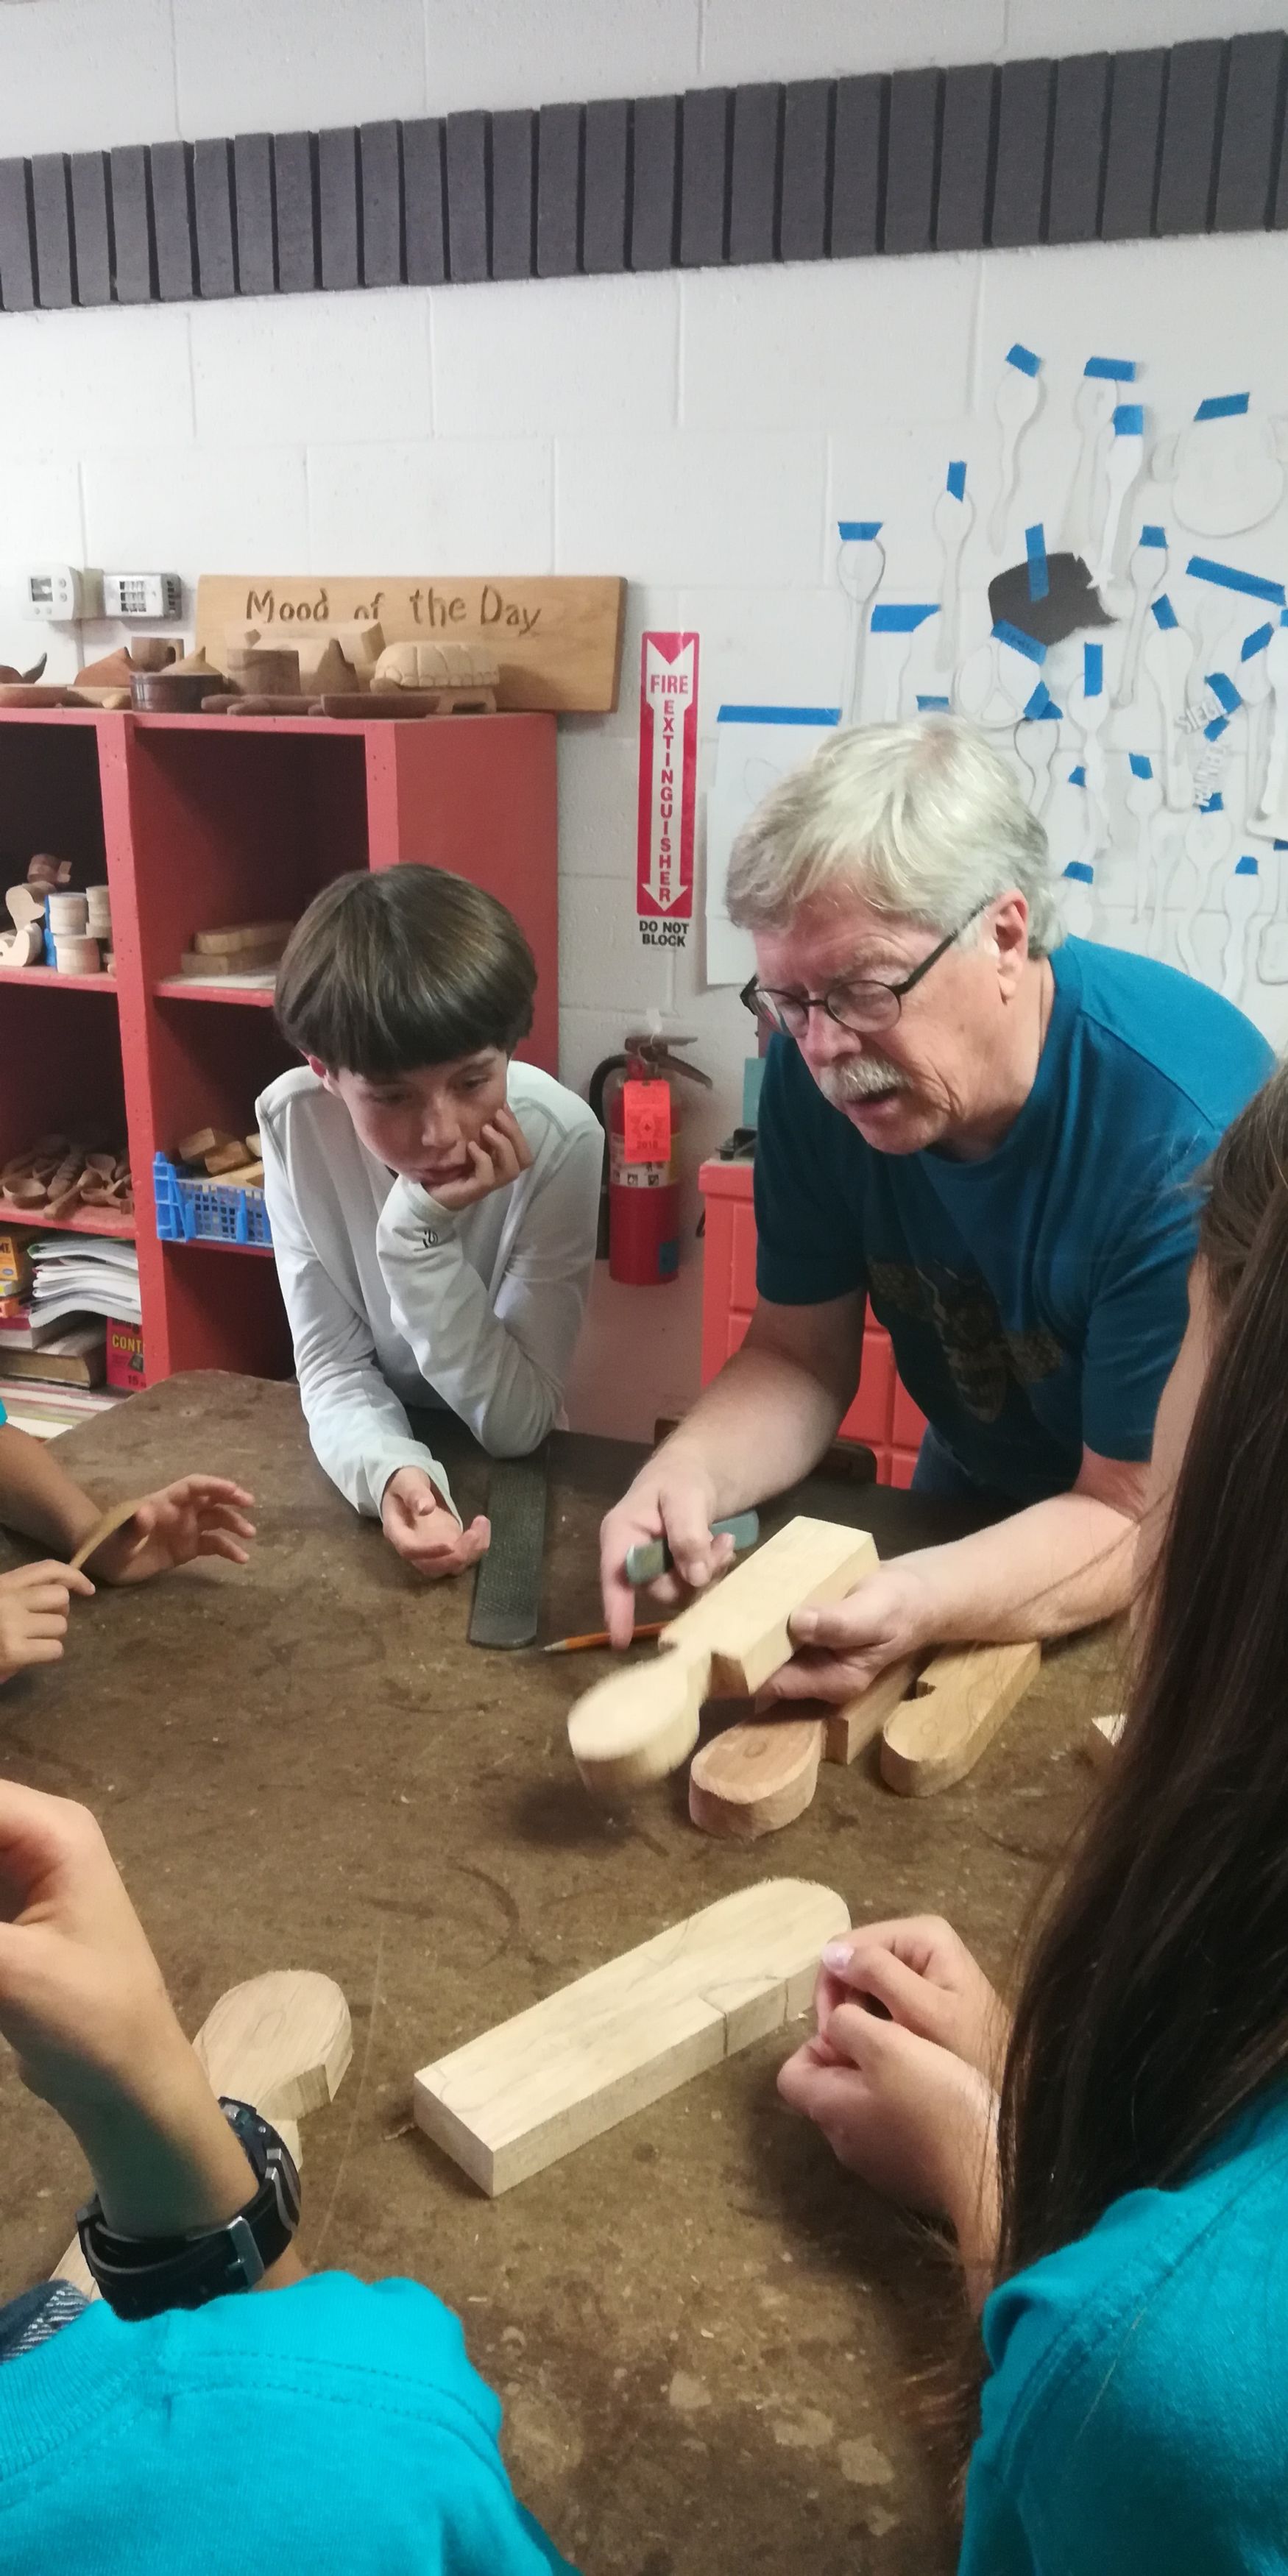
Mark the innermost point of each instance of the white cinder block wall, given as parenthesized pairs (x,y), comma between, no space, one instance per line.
(699,433)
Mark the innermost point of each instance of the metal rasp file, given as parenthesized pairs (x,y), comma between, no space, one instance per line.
(507,1586)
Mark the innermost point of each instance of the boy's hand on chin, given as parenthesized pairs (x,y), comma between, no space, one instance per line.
(423,1532)
(497,1156)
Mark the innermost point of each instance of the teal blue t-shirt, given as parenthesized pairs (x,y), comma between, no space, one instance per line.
(329,2426)
(1136,2420)
(1036,1299)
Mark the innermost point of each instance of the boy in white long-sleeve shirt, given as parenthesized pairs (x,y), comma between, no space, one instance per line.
(434,1206)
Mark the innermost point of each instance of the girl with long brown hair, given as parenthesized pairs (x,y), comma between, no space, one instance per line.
(1115,2162)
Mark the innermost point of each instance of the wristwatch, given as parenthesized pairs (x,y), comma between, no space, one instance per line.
(139,2276)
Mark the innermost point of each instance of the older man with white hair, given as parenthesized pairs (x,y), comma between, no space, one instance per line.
(988,1133)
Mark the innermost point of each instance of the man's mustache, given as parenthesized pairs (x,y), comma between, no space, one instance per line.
(864,1078)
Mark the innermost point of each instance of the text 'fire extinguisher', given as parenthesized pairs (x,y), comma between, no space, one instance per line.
(639,1099)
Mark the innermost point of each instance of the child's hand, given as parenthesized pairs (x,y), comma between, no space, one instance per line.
(424,1533)
(33,1613)
(196,1516)
(924,1976)
(81,1997)
(501,1152)
(912,2120)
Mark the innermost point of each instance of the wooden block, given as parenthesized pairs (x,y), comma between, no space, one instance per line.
(281,2042)
(203,1141)
(424,201)
(114,1518)
(223,1158)
(1026,93)
(212,195)
(208,969)
(1136,87)
(173,229)
(851,1725)
(862,127)
(514,2100)
(295,199)
(654,168)
(559,150)
(755,1777)
(514,148)
(755,171)
(913,138)
(605,205)
(1101,1741)
(958,1704)
(380,164)
(1187,165)
(52,214)
(966,156)
(17,239)
(270,670)
(1078,142)
(253,194)
(556,637)
(92,240)
(337,166)
(253,1142)
(1253,113)
(246,1176)
(806,157)
(362,641)
(740,1624)
(706,119)
(247,934)
(465,145)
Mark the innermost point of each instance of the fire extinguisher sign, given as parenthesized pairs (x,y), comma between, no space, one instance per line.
(668,782)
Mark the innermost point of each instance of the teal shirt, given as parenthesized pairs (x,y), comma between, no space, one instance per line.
(329,2426)
(1036,1299)
(1136,2420)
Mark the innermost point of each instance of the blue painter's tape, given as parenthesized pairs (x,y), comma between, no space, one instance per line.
(1018,356)
(1141,764)
(1229,577)
(1035,549)
(1224,689)
(779,715)
(900,617)
(1077,778)
(1019,642)
(1153,535)
(1213,732)
(1129,420)
(1163,613)
(1246,866)
(957,479)
(1081,873)
(932,706)
(1120,371)
(1093,670)
(1215,804)
(1256,642)
(1042,706)
(850,530)
(1221,406)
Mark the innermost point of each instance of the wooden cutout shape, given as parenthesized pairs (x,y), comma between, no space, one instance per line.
(114,1518)
(936,1737)
(641,1723)
(516,2099)
(756,1777)
(853,1724)
(281,2042)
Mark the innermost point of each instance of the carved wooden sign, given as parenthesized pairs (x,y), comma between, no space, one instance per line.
(558,639)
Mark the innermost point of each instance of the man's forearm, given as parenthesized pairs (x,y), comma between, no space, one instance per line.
(38,1497)
(762,1424)
(1059,1566)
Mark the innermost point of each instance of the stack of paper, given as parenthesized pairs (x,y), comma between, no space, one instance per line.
(83,1274)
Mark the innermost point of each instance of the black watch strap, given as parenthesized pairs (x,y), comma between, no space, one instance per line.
(141,2275)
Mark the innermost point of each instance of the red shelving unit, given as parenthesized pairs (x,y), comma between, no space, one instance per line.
(196,821)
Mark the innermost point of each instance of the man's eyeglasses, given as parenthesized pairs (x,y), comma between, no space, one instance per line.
(865,1007)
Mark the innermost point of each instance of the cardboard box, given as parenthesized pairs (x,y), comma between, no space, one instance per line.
(125,1369)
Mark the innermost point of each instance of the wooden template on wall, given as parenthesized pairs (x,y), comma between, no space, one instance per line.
(558,640)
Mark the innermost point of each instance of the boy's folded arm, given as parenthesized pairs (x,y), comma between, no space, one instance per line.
(358,1428)
(501,1369)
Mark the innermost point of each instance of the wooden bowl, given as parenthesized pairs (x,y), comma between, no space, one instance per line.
(170,693)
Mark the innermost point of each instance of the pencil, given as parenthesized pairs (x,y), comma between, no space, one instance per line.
(600,1637)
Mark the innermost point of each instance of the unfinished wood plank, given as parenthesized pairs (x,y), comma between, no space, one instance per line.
(557,638)
(511,2102)
(853,1724)
(755,1777)
(937,1736)
(238,935)
(1102,1739)
(741,1622)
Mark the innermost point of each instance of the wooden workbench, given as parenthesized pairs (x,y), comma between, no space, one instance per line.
(700,2327)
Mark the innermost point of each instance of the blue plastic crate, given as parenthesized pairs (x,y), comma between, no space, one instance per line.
(206,1211)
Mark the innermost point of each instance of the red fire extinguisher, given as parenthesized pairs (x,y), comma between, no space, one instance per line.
(637,1099)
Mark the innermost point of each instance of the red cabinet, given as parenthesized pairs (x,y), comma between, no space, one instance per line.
(882,1414)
